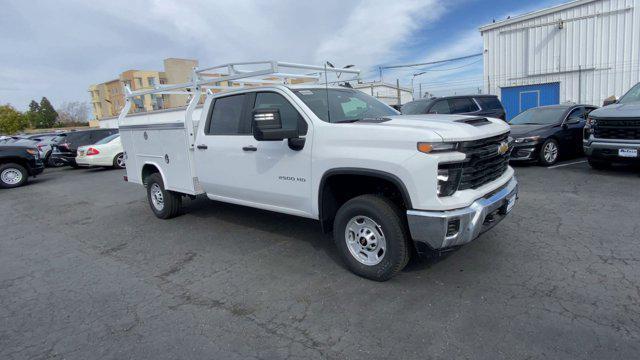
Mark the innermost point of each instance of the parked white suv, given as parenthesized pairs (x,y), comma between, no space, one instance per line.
(382,182)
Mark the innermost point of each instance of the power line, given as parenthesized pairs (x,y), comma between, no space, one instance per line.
(429,63)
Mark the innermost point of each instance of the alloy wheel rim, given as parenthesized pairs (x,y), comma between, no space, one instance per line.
(550,152)
(156,197)
(120,160)
(11,176)
(365,240)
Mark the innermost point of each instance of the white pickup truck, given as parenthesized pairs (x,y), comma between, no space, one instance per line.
(384,183)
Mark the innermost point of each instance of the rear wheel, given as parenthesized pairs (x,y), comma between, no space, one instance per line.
(12,175)
(165,204)
(549,152)
(371,237)
(118,161)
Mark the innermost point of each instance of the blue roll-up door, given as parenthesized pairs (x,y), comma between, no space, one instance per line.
(517,99)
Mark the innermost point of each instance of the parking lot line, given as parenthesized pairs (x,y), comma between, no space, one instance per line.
(567,164)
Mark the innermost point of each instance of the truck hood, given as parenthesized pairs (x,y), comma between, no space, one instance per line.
(448,127)
(631,110)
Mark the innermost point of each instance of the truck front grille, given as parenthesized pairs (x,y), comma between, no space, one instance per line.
(622,129)
(484,162)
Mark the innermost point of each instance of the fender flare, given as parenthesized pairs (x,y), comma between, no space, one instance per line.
(159,168)
(395,180)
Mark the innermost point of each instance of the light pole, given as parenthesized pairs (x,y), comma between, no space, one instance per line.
(413,91)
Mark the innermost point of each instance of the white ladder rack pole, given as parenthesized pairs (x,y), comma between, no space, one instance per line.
(126,107)
(195,99)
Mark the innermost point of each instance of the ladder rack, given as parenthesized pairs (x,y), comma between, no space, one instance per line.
(212,78)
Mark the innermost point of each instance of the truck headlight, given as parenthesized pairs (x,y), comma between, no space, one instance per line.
(448,179)
(427,148)
(528,139)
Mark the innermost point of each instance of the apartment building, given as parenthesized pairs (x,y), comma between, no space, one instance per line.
(107,99)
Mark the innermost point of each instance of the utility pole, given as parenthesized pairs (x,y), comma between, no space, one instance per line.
(413,89)
(398,88)
(420,93)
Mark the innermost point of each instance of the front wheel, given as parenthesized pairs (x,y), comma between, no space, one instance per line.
(371,237)
(12,175)
(549,152)
(165,204)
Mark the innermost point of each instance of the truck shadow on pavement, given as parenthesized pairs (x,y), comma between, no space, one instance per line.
(288,226)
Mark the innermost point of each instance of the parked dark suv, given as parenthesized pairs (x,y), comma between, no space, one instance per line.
(66,144)
(480,105)
(18,161)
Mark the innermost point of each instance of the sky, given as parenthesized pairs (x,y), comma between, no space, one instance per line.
(58,48)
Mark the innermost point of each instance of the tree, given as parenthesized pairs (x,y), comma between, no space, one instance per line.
(34,106)
(73,113)
(48,114)
(11,120)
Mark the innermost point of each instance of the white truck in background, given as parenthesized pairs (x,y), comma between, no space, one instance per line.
(381,181)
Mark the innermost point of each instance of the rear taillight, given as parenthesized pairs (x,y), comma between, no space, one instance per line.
(92,151)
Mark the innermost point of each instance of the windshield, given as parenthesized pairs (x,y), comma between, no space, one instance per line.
(415,107)
(345,105)
(632,95)
(107,139)
(539,116)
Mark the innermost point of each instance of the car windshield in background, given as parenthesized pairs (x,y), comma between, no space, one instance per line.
(632,95)
(345,105)
(107,139)
(539,116)
(414,107)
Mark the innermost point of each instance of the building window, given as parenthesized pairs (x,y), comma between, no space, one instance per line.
(138,82)
(151,81)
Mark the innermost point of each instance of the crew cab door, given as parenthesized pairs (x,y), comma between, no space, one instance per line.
(233,166)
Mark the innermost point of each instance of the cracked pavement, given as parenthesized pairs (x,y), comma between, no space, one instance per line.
(87,272)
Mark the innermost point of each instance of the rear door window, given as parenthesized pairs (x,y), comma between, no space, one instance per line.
(462,105)
(226,116)
(489,103)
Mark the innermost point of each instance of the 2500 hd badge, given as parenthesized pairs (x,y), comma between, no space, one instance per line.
(291,178)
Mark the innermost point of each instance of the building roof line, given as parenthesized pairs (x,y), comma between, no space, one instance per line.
(534,14)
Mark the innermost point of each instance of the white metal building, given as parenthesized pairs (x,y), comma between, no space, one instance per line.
(386,93)
(583,51)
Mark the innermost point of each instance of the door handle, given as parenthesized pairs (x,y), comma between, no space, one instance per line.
(202,147)
(249,148)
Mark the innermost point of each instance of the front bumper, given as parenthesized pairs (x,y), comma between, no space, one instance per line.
(608,148)
(525,152)
(65,158)
(445,229)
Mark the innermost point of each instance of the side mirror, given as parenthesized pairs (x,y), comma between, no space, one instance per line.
(610,100)
(267,126)
(572,121)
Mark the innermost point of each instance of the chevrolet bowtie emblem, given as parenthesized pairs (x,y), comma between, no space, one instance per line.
(503,148)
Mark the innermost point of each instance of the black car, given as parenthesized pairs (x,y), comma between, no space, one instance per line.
(479,105)
(17,163)
(544,134)
(66,145)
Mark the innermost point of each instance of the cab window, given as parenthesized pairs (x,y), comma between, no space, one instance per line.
(440,107)
(226,116)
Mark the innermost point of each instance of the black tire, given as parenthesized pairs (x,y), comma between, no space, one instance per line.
(171,201)
(542,159)
(599,164)
(117,164)
(12,175)
(392,228)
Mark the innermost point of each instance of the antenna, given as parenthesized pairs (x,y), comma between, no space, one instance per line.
(326,90)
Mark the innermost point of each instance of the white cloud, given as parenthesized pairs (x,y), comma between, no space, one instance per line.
(56,49)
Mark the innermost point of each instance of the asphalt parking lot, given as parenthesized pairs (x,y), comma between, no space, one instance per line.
(87,272)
